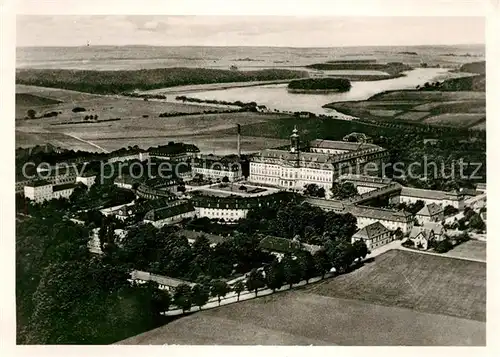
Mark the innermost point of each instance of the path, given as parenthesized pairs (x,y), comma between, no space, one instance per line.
(441,255)
(86,142)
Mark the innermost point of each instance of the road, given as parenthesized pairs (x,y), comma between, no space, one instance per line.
(86,142)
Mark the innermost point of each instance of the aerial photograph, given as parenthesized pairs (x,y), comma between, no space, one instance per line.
(250,180)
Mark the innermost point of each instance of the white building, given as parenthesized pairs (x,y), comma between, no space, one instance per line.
(430,213)
(373,235)
(217,168)
(40,191)
(294,169)
(391,219)
(87,179)
(364,183)
(164,282)
(140,155)
(171,214)
(230,209)
(338,147)
(412,195)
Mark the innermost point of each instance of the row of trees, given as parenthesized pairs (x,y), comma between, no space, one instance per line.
(291,269)
(308,223)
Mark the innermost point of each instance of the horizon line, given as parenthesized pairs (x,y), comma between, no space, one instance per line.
(254,46)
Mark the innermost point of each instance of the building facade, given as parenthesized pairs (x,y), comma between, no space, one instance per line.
(442,198)
(295,168)
(171,214)
(374,235)
(217,168)
(430,213)
(40,191)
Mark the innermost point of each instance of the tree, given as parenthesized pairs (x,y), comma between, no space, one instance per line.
(314,190)
(255,281)
(360,249)
(219,288)
(291,270)
(225,179)
(182,297)
(200,295)
(31,114)
(274,275)
(305,260)
(343,190)
(449,210)
(322,263)
(181,188)
(476,222)
(238,287)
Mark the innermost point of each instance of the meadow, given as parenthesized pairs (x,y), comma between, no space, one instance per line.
(373,305)
(140,123)
(425,283)
(465,109)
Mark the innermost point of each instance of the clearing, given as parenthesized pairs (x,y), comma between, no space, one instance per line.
(134,128)
(402,298)
(456,119)
(472,249)
(461,108)
(426,283)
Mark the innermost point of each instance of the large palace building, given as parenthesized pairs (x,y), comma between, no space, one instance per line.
(321,163)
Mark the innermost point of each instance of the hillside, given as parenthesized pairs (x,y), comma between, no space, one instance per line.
(474,67)
(393,68)
(113,82)
(29,100)
(474,83)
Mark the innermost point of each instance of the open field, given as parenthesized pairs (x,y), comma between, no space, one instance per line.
(456,119)
(402,298)
(422,282)
(384,112)
(28,100)
(302,318)
(203,130)
(106,107)
(464,108)
(480,126)
(410,115)
(472,249)
(415,95)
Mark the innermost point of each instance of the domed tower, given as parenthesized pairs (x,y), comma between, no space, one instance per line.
(294,141)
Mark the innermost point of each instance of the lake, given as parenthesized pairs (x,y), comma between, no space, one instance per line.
(276,96)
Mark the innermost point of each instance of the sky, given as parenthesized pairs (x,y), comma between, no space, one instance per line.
(284,31)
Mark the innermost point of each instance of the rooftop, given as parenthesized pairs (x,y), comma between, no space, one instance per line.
(430,210)
(341,145)
(65,186)
(170,211)
(434,226)
(429,194)
(379,213)
(160,279)
(38,183)
(371,231)
(192,235)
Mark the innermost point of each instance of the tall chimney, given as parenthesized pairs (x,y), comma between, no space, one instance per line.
(239,140)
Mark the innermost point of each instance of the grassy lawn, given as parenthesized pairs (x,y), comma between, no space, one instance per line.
(402,298)
(445,108)
(425,283)
(412,116)
(473,249)
(301,318)
(455,119)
